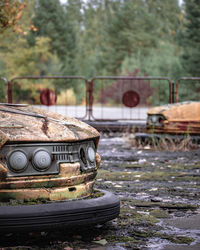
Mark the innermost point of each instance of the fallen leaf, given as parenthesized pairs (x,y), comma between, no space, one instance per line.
(102,242)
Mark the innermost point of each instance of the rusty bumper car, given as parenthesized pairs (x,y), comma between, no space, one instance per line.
(48,165)
(172,122)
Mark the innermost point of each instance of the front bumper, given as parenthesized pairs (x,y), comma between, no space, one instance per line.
(155,137)
(59,214)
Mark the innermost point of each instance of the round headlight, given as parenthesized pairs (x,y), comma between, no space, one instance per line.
(154,118)
(42,160)
(91,154)
(17,161)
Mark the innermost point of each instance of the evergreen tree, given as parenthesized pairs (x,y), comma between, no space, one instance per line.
(73,20)
(92,37)
(52,21)
(138,26)
(191,38)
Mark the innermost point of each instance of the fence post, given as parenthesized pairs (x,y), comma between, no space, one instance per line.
(173,92)
(6,82)
(9,92)
(90,99)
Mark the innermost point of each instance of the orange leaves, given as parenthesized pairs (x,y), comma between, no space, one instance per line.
(33,28)
(10,14)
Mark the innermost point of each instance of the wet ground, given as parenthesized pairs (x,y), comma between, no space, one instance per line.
(160,198)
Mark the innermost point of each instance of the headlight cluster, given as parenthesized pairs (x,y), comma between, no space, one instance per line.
(28,159)
(87,157)
(18,160)
(155,120)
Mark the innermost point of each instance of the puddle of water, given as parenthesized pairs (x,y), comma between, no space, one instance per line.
(157,243)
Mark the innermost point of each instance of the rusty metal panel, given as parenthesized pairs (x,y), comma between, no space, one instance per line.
(127,98)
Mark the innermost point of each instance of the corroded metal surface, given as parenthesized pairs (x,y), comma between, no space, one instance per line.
(180,118)
(60,193)
(44,126)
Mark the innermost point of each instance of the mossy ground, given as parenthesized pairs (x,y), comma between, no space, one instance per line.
(152,190)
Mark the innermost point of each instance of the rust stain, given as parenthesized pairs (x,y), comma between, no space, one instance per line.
(45,126)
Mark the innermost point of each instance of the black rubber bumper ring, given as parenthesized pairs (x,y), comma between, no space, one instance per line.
(59,214)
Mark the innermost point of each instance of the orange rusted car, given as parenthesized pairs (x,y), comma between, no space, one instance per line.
(48,164)
(173,121)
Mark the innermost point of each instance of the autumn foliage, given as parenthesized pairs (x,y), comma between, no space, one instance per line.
(10,14)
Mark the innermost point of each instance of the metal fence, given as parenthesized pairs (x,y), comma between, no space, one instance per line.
(62,94)
(127,98)
(102,98)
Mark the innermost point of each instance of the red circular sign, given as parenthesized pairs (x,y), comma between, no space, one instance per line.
(130,99)
(48,97)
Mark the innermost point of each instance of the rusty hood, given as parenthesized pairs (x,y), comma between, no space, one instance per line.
(185,111)
(27,123)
